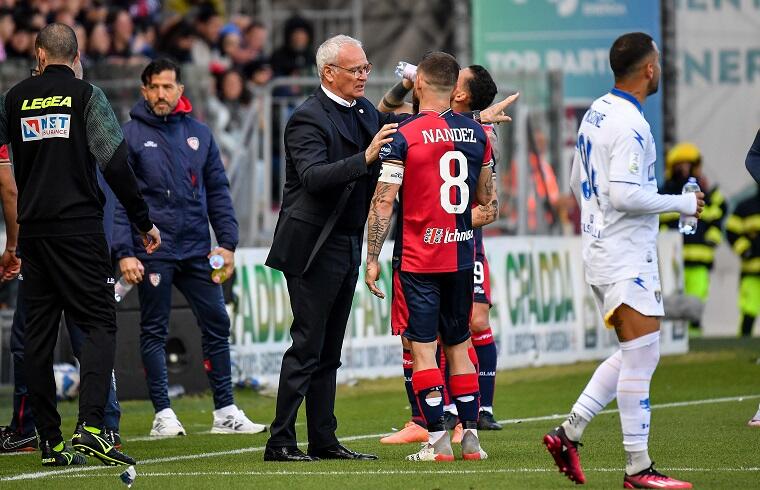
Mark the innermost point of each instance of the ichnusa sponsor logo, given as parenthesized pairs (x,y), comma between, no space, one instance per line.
(435,236)
(47,126)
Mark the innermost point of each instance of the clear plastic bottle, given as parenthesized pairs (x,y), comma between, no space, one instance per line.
(121,288)
(688,224)
(216,262)
(406,70)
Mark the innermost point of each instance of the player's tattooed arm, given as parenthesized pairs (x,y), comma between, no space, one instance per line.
(379,221)
(485,189)
(393,100)
(485,215)
(378,225)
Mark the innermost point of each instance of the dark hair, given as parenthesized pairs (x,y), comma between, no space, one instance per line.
(441,70)
(245,94)
(255,25)
(482,88)
(157,66)
(628,51)
(206,11)
(59,42)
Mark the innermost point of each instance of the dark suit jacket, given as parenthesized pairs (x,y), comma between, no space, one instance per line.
(322,162)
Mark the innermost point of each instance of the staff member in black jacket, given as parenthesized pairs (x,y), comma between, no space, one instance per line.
(58,127)
(331,149)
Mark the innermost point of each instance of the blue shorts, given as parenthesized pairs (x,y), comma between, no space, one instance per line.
(426,306)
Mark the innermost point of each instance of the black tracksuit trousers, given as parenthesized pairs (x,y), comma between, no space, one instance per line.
(71,273)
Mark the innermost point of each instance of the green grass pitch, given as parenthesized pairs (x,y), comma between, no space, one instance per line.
(705,441)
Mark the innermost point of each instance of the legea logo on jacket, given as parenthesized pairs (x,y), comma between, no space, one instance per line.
(47,126)
(43,103)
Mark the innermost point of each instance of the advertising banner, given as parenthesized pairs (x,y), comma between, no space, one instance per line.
(543,312)
(718,101)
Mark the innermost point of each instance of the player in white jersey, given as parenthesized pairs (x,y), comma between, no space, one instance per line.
(613,177)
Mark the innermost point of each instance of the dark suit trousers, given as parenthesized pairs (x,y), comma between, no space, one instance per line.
(321,302)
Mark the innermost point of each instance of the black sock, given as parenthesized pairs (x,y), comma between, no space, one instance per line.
(748,321)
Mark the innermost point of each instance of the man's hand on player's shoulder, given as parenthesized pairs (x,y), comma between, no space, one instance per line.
(381,138)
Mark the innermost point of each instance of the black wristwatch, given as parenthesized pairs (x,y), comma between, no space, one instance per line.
(476,116)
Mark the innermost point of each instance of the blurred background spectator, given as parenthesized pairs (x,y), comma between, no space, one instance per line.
(296,57)
(227,110)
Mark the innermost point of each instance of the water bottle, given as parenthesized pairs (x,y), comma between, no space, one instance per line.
(121,288)
(688,224)
(406,70)
(216,262)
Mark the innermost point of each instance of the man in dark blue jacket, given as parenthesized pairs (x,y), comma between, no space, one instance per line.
(181,175)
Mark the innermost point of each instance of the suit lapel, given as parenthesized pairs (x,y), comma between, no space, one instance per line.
(334,117)
(366,120)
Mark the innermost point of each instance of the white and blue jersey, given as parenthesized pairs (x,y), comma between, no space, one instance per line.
(615,144)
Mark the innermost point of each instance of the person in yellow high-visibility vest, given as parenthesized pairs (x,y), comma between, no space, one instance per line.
(743,230)
(683,161)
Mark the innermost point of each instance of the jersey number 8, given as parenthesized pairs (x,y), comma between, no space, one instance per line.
(458,181)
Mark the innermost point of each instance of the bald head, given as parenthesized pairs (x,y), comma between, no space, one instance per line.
(59,42)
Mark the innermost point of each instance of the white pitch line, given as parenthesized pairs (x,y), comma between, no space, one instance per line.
(168,459)
(661,405)
(396,472)
(54,473)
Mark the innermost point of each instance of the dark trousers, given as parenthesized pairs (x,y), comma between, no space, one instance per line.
(74,274)
(193,278)
(23,415)
(321,302)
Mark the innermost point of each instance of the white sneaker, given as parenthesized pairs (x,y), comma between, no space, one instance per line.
(471,446)
(166,423)
(234,423)
(440,451)
(755,421)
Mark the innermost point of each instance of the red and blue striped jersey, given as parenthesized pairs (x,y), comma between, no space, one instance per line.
(443,155)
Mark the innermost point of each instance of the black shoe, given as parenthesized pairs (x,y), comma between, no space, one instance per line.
(487,422)
(286,453)
(112,436)
(339,451)
(65,457)
(13,442)
(96,445)
(450,420)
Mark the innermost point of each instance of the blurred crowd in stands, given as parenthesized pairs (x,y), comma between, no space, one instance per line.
(233,48)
